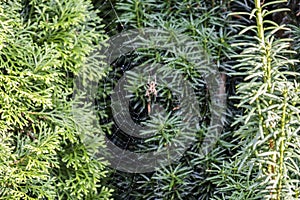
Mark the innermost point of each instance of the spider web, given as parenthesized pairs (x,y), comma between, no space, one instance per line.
(118,67)
(138,104)
(121,180)
(110,17)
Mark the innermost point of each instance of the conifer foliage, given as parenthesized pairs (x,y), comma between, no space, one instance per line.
(206,23)
(48,137)
(257,155)
(43,154)
(266,163)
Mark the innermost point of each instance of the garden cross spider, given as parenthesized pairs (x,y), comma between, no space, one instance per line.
(151,89)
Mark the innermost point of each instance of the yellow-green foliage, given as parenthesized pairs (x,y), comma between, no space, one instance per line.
(43,44)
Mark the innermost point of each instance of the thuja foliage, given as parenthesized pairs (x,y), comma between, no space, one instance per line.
(44,153)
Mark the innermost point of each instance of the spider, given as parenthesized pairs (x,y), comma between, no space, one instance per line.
(151,89)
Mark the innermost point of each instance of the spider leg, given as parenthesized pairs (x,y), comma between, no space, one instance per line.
(149,107)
